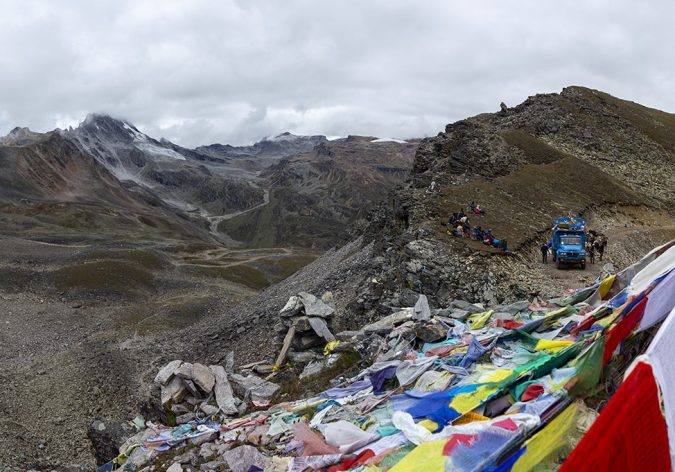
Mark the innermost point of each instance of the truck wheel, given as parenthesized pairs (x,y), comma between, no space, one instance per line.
(583,265)
(554,257)
(557,264)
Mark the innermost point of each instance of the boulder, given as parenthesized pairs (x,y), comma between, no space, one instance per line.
(204,438)
(406,330)
(315,306)
(229,362)
(207,451)
(175,467)
(301,324)
(386,324)
(312,368)
(166,372)
(184,371)
(186,457)
(240,459)
(253,387)
(431,331)
(203,377)
(346,335)
(213,465)
(189,384)
(185,418)
(174,391)
(421,311)
(179,409)
(459,314)
(292,307)
(209,410)
(137,459)
(516,307)
(464,305)
(223,391)
(302,357)
(321,328)
(191,399)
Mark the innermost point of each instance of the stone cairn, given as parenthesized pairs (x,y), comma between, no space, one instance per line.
(192,390)
(304,324)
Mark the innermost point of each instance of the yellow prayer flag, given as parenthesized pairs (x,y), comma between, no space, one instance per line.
(427,456)
(547,441)
(552,346)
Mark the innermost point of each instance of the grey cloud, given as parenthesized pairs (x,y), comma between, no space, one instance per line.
(234,71)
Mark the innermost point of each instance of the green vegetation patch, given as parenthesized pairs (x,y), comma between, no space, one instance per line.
(121,277)
(292,387)
(279,268)
(144,258)
(536,151)
(240,274)
(283,221)
(656,124)
(526,201)
(167,315)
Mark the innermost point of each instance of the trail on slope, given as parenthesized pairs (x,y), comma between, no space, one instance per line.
(214,220)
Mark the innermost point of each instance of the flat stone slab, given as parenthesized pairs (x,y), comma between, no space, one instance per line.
(203,377)
(421,311)
(321,328)
(315,306)
(166,372)
(223,391)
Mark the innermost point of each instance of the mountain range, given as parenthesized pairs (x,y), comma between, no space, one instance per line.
(110,161)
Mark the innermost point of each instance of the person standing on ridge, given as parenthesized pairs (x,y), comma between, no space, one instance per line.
(591,253)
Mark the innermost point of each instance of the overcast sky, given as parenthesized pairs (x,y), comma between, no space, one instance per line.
(198,72)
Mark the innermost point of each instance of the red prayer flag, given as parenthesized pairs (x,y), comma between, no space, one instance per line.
(623,328)
(630,433)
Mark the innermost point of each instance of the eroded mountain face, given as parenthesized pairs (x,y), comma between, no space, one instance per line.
(181,177)
(317,198)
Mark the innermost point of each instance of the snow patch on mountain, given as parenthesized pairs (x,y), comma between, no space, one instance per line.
(389,140)
(155,150)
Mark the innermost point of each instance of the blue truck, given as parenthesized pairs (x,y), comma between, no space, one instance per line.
(569,242)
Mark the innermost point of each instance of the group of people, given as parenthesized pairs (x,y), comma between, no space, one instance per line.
(595,242)
(460,226)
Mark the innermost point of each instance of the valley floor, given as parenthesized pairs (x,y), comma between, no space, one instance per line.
(80,324)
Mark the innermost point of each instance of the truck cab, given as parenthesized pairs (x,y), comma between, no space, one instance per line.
(569,242)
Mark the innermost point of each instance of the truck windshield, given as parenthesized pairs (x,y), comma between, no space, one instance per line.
(570,240)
